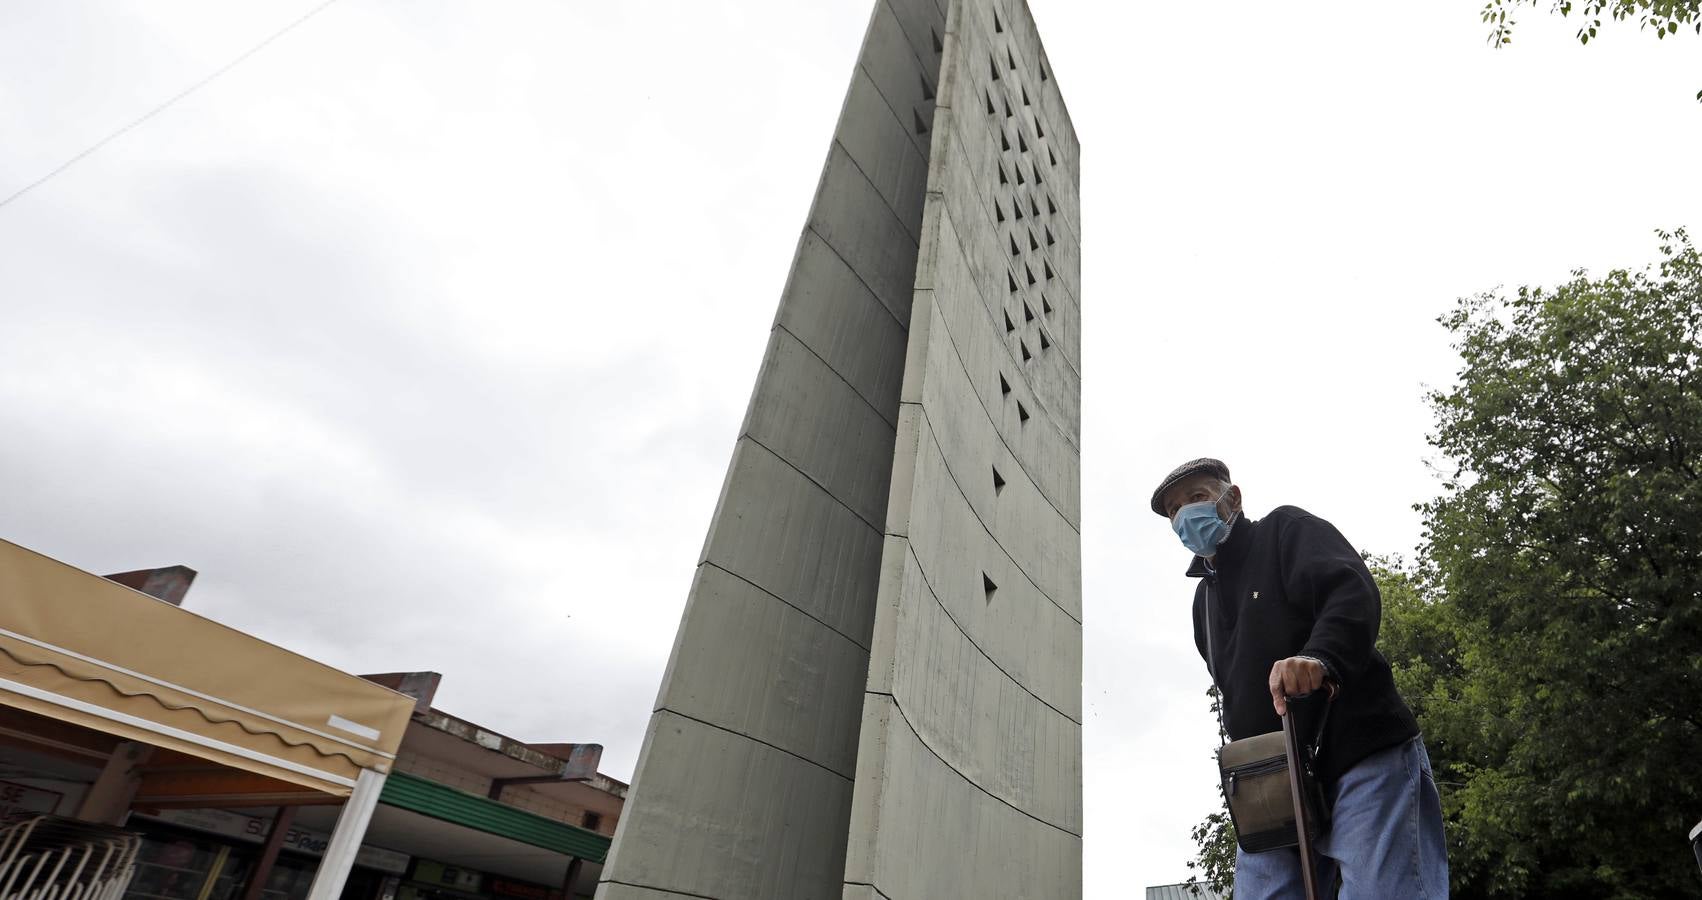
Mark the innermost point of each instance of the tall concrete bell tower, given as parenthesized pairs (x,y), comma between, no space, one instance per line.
(875,691)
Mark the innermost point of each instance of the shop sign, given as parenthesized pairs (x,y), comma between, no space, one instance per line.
(253,829)
(444,875)
(20,799)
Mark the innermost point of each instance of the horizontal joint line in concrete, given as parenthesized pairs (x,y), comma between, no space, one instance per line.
(757,740)
(891,419)
(651,887)
(873,887)
(903,124)
(926,581)
(807,477)
(853,269)
(800,610)
(947,763)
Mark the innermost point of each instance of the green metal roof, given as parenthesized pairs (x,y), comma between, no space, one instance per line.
(428,798)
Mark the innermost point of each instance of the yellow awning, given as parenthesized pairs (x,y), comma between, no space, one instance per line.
(82,649)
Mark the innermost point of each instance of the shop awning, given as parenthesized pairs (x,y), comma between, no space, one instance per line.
(82,649)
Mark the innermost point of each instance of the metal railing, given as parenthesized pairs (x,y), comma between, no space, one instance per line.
(51,858)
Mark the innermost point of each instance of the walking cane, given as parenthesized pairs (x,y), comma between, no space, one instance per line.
(1294,748)
(1302,823)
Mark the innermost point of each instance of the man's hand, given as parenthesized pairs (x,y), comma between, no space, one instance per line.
(1294,677)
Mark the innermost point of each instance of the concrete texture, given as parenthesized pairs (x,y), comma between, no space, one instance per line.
(875,691)
(968,778)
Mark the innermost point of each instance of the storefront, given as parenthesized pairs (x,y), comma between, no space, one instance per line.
(111,699)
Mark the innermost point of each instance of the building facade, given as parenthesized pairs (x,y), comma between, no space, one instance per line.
(875,690)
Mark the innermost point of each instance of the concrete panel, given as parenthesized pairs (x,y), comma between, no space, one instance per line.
(810,416)
(920,830)
(766,825)
(780,531)
(1034,637)
(803,696)
(980,346)
(976,717)
(852,218)
(833,313)
(879,142)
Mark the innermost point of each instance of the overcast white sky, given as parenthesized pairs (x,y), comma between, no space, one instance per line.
(425,333)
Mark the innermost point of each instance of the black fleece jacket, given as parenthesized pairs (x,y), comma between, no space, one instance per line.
(1290,585)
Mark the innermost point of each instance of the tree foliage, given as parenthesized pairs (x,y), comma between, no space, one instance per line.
(1549,636)
(1565,559)
(1664,17)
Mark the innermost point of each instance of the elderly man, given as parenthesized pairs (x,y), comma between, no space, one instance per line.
(1291,606)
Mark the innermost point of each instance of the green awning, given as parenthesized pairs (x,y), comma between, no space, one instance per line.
(428,798)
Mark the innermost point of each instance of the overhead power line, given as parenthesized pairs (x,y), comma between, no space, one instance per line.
(239,60)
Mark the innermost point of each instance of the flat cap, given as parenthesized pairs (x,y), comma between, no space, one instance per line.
(1204,465)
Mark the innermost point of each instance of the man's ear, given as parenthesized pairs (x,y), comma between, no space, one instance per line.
(1234,493)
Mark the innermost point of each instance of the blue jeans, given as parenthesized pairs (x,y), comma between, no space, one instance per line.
(1385,838)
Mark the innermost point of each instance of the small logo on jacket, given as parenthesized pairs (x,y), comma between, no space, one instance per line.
(1255,595)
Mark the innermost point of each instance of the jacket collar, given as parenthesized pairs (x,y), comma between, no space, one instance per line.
(1229,553)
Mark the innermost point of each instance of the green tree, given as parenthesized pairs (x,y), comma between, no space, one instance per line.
(1566,551)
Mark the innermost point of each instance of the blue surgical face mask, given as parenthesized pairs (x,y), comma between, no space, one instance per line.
(1200,527)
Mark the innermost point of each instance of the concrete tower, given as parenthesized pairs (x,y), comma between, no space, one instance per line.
(875,691)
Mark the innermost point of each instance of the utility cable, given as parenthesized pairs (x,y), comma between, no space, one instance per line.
(90,150)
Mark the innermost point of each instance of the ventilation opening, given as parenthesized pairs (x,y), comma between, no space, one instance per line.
(1004,386)
(1043,75)
(1037,181)
(1045,306)
(998,27)
(991,110)
(1021,412)
(1049,240)
(1026,356)
(1009,327)
(1039,130)
(1032,243)
(998,482)
(1030,273)
(1050,206)
(998,211)
(1011,58)
(1049,154)
(1045,344)
(1003,179)
(1048,267)
(988,586)
(1016,207)
(1004,140)
(927,89)
(1025,97)
(993,64)
(1035,205)
(1015,250)
(1012,279)
(921,126)
(941,48)
(1007,108)
(1019,175)
(1027,313)
(1020,143)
